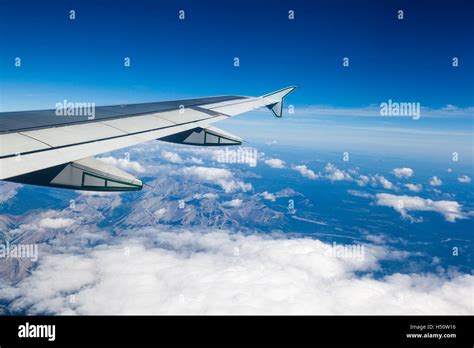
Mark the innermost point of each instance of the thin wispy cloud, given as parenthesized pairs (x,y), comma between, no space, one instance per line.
(374,111)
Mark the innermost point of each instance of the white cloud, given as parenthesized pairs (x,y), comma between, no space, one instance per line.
(208,173)
(201,273)
(305,171)
(98,193)
(55,223)
(235,203)
(160,213)
(362,180)
(206,196)
(268,196)
(172,157)
(219,176)
(450,210)
(374,111)
(414,187)
(8,190)
(204,151)
(357,193)
(275,163)
(336,174)
(195,160)
(435,181)
(403,172)
(386,184)
(123,163)
(464,179)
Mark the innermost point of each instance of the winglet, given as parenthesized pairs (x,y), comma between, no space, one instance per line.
(276,100)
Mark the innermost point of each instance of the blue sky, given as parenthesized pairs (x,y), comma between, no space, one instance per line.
(408,60)
(336,111)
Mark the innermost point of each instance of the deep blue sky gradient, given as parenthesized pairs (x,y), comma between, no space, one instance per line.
(407,60)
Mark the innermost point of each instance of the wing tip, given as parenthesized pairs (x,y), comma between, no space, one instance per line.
(276,99)
(281,92)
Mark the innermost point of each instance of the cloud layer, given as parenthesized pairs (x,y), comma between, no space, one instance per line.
(175,272)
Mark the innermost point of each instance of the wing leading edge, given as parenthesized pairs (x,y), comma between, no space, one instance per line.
(40,148)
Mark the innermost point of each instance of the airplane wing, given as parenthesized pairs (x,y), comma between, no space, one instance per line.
(51,148)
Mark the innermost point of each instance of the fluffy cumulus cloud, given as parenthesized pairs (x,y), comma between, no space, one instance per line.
(219,176)
(362,180)
(414,187)
(172,157)
(451,210)
(386,184)
(234,203)
(55,223)
(178,155)
(335,174)
(275,163)
(183,272)
(464,179)
(435,181)
(402,172)
(305,171)
(123,163)
(268,196)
